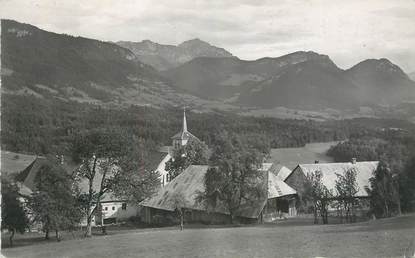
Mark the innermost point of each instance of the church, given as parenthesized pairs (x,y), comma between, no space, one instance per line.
(178,140)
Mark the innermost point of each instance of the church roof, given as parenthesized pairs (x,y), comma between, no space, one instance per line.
(183,135)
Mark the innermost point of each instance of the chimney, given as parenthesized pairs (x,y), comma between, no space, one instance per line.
(353,160)
(316,161)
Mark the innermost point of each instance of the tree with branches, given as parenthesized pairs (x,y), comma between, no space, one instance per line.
(384,196)
(319,195)
(195,152)
(54,203)
(99,152)
(13,214)
(234,177)
(179,202)
(137,180)
(347,188)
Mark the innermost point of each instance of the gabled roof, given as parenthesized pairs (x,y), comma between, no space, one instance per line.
(364,171)
(283,173)
(278,188)
(183,135)
(28,175)
(191,182)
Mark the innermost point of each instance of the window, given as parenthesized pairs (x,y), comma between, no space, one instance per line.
(106,208)
(113,208)
(124,206)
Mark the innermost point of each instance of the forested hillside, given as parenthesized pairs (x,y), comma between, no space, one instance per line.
(42,127)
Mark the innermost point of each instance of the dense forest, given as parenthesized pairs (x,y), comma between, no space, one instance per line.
(396,146)
(34,126)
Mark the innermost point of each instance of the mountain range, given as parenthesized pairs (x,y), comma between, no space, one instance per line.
(163,57)
(304,80)
(194,73)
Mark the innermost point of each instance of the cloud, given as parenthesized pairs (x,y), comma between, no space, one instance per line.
(348,31)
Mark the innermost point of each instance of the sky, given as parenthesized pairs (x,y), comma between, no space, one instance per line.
(348,31)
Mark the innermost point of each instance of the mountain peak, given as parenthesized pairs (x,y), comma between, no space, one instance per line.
(381,66)
(164,57)
(193,42)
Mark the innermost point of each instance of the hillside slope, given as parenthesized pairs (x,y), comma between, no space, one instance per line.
(48,65)
(382,82)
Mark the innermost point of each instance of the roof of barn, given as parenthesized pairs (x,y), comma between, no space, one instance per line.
(191,182)
(188,183)
(278,188)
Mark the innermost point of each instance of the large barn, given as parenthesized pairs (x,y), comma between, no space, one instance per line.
(280,200)
(364,171)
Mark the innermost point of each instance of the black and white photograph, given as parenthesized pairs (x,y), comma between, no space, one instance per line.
(207,128)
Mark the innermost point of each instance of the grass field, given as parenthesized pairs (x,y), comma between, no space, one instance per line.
(291,238)
(291,157)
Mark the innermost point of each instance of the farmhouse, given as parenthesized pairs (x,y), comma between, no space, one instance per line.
(279,201)
(364,171)
(113,209)
(178,140)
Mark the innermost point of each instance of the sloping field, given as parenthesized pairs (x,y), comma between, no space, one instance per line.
(291,157)
(12,162)
(382,238)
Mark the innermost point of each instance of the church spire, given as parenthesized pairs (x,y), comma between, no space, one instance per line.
(184,120)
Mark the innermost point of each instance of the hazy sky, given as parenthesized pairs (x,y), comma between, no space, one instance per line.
(347,31)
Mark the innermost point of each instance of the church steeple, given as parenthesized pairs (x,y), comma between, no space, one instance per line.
(184,120)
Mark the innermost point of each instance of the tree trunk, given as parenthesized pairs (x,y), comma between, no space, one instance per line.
(315,214)
(11,238)
(88,232)
(103,229)
(58,236)
(47,233)
(181,221)
(90,211)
